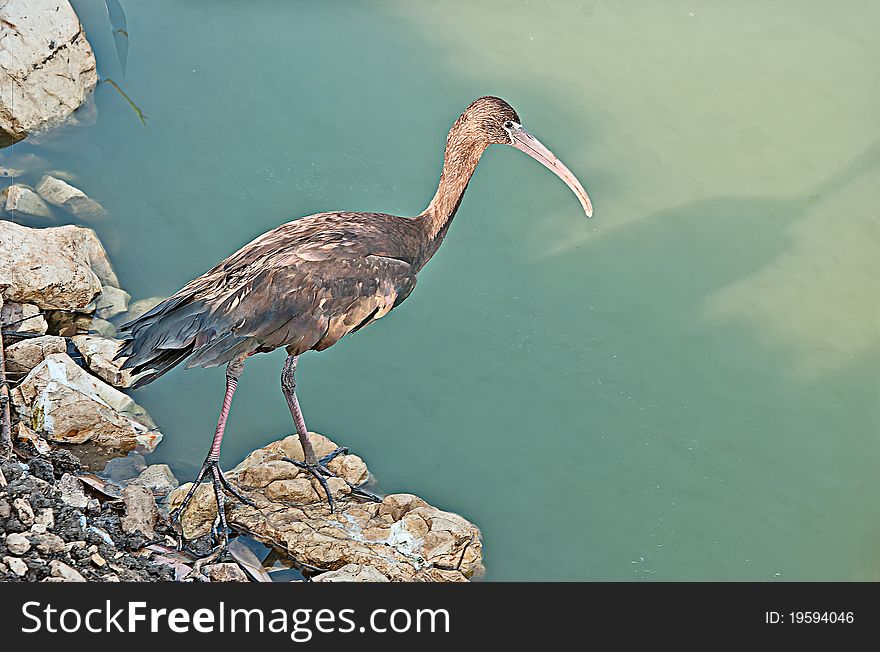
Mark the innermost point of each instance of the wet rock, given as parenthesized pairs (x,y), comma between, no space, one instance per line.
(98,353)
(53,70)
(102,327)
(17,544)
(16,565)
(141,306)
(352,573)
(403,538)
(20,317)
(111,302)
(158,478)
(62,402)
(70,198)
(72,491)
(6,172)
(122,469)
(58,268)
(224,573)
(22,199)
(141,512)
(64,572)
(26,354)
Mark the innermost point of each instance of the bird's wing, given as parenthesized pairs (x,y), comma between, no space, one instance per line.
(307,304)
(302,285)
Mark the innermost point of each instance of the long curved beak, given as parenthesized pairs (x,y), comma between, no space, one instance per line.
(525,142)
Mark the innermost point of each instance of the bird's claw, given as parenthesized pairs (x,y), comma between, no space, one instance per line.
(219,529)
(320,471)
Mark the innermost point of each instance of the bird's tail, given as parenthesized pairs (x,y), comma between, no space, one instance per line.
(158,340)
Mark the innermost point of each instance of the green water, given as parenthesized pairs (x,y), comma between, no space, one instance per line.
(686,387)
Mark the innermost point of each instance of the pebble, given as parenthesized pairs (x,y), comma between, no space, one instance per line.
(64,572)
(16,565)
(24,510)
(17,544)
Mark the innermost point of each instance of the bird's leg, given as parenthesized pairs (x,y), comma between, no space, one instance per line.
(317,467)
(211,464)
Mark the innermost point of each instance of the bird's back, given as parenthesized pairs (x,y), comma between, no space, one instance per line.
(302,285)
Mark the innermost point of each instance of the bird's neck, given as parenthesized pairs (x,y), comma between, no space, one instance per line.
(459,163)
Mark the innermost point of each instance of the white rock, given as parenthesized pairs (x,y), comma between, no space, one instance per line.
(16,565)
(352,573)
(26,354)
(64,403)
(46,62)
(98,353)
(70,198)
(17,544)
(22,199)
(111,302)
(59,268)
(21,317)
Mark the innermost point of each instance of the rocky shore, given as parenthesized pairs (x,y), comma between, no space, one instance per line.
(78,501)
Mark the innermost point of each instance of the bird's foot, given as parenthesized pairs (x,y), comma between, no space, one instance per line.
(220,528)
(320,471)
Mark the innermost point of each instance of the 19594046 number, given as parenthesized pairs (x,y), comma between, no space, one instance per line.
(806,617)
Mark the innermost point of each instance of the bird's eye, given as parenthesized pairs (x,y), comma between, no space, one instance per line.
(508,125)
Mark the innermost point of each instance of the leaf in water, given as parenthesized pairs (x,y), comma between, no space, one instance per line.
(135,107)
(248,560)
(120,30)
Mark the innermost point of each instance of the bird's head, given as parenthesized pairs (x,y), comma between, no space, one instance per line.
(493,121)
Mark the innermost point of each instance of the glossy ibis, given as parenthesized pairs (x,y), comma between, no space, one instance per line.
(307,283)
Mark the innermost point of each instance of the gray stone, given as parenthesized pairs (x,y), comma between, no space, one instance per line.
(16,565)
(17,544)
(24,511)
(111,302)
(158,478)
(141,512)
(64,572)
(72,491)
(21,199)
(47,543)
(62,194)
